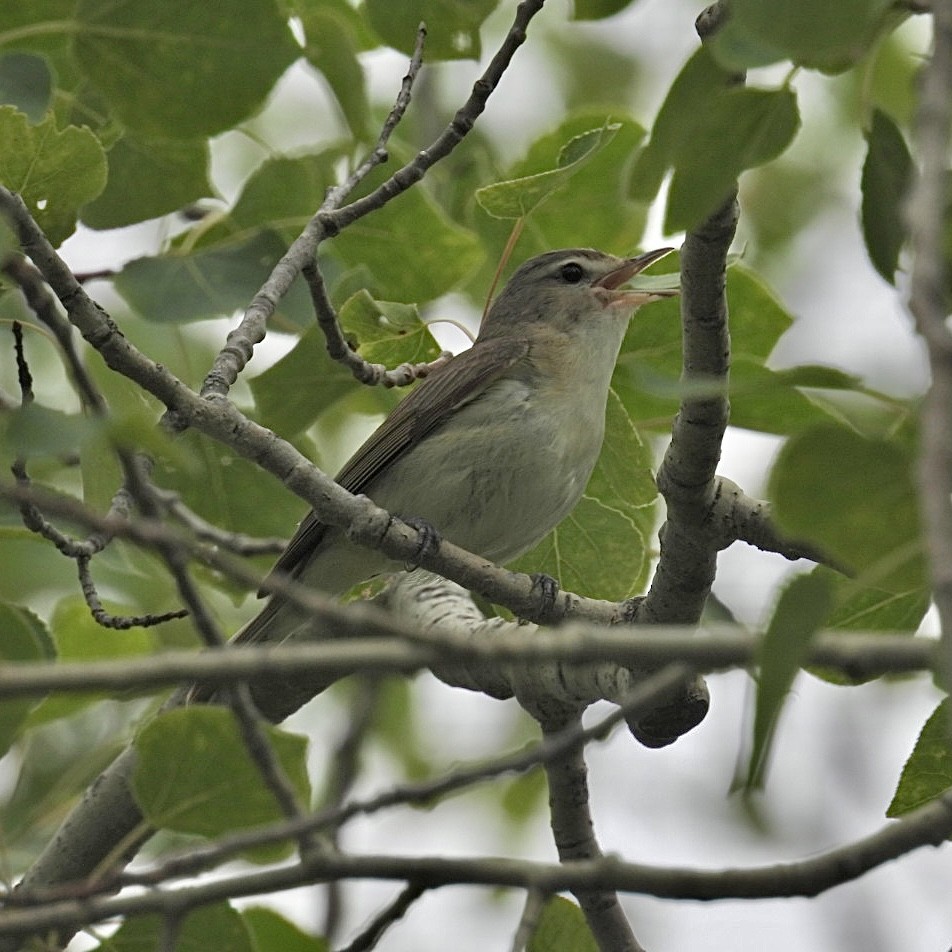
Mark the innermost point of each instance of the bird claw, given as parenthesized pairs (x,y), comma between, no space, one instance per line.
(548,590)
(428,540)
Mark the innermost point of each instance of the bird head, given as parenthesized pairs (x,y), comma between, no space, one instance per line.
(567,287)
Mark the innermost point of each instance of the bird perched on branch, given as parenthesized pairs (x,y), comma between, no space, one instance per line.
(494,448)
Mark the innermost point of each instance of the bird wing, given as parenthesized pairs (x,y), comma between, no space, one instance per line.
(434,399)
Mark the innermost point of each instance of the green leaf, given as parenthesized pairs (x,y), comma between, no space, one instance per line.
(26,83)
(802,609)
(770,401)
(887,175)
(812,33)
(598,9)
(518,198)
(215,926)
(191,762)
(331,47)
(743,129)
(602,549)
(648,375)
(854,496)
(34,430)
(33,25)
(180,69)
(271,932)
(414,251)
(25,638)
(928,772)
(820,377)
(562,928)
(452,25)
(181,286)
(858,607)
(387,332)
(593,210)
(694,93)
(283,193)
(148,178)
(228,490)
(55,172)
(304,383)
(399,730)
(524,796)
(79,637)
(296,389)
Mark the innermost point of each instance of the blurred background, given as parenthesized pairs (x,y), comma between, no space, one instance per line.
(838,750)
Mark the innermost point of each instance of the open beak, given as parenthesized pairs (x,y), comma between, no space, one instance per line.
(608,287)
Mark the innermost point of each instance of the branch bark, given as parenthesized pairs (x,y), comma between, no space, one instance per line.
(929,825)
(929,303)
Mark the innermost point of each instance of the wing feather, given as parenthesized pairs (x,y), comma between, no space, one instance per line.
(428,405)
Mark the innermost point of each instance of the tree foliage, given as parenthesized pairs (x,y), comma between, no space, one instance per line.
(114,115)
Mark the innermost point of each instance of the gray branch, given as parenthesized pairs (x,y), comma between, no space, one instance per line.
(929,303)
(928,825)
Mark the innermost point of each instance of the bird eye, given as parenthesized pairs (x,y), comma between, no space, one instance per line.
(572,272)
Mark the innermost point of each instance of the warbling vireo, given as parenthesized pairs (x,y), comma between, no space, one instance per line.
(494,448)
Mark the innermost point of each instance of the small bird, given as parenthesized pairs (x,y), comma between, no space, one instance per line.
(494,448)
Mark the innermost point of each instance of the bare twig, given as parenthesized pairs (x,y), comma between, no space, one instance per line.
(371,934)
(237,542)
(107,619)
(329,221)
(340,350)
(929,824)
(346,764)
(529,920)
(338,194)
(46,308)
(738,517)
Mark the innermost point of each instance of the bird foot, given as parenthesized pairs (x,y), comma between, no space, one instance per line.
(428,540)
(548,589)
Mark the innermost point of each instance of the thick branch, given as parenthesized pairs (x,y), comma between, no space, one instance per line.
(686,477)
(478,663)
(929,304)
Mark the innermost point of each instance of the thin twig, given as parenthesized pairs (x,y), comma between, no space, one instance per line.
(373,932)
(529,920)
(237,542)
(328,222)
(928,825)
(117,622)
(46,308)
(340,350)
(346,765)
(338,194)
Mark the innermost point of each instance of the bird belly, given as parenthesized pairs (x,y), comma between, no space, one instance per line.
(503,473)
